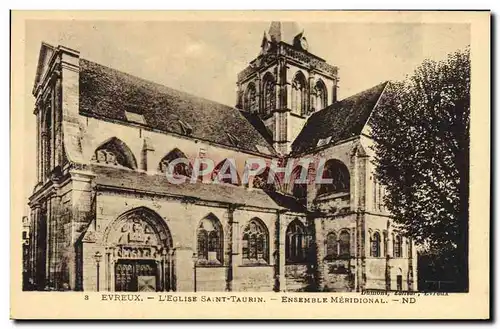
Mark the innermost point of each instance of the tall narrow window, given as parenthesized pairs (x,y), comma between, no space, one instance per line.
(399,282)
(269,94)
(386,240)
(331,245)
(209,241)
(375,250)
(397,246)
(320,95)
(344,244)
(47,151)
(202,243)
(299,94)
(296,242)
(255,243)
(299,184)
(251,99)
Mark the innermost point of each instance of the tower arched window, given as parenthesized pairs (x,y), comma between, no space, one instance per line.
(209,241)
(269,101)
(345,244)
(339,174)
(251,99)
(320,95)
(296,242)
(375,245)
(299,94)
(255,243)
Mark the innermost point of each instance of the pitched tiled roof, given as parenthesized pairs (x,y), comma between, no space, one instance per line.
(339,121)
(226,193)
(108,93)
(258,124)
(287,201)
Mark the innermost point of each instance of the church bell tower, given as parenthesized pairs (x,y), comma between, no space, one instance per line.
(286,83)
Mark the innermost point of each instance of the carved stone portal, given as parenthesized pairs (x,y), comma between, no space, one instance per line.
(134,230)
(138,251)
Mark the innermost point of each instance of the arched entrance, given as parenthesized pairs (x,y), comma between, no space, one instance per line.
(139,253)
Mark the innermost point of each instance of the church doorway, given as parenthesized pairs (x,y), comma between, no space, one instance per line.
(399,282)
(136,275)
(139,254)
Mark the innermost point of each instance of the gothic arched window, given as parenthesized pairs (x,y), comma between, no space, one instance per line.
(339,174)
(202,243)
(269,94)
(345,244)
(209,241)
(115,152)
(299,188)
(299,94)
(397,246)
(251,99)
(226,172)
(320,95)
(296,242)
(331,245)
(262,181)
(255,243)
(180,169)
(375,247)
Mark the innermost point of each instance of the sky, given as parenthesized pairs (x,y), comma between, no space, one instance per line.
(204,58)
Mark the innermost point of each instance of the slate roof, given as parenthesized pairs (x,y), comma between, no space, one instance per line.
(226,193)
(341,120)
(258,124)
(108,93)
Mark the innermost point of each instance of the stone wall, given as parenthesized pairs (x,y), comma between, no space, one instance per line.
(253,279)
(338,275)
(297,277)
(210,278)
(182,227)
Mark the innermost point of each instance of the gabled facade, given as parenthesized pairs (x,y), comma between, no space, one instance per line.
(105,215)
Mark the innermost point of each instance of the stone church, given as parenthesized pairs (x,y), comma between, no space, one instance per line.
(105,217)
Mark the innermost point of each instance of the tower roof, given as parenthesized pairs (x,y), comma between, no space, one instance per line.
(284,31)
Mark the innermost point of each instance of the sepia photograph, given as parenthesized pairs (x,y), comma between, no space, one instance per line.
(278,154)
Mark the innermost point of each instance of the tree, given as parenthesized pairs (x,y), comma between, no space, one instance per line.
(421,134)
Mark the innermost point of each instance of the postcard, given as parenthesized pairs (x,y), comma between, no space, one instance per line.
(250,165)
